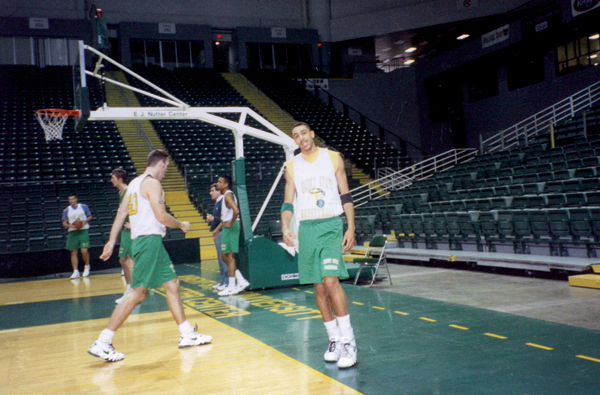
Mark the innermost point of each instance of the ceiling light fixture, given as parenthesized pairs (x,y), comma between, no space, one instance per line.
(409,61)
(411,49)
(594,56)
(595,36)
(462,37)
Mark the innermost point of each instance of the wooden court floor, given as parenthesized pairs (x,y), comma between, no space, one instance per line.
(272,342)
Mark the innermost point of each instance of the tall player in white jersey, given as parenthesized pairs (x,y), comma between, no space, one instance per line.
(145,205)
(316,179)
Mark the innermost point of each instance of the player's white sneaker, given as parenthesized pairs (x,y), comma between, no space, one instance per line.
(107,353)
(333,351)
(217,285)
(86,270)
(195,339)
(228,291)
(75,274)
(221,287)
(121,298)
(347,356)
(242,285)
(122,272)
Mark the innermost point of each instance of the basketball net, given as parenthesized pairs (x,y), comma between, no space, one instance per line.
(53,121)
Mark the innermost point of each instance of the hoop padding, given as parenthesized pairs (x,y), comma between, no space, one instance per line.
(53,121)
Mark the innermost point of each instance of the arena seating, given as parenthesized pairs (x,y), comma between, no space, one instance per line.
(36,177)
(534,200)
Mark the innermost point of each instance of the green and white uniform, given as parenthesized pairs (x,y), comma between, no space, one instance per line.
(230,237)
(153,267)
(318,209)
(77,238)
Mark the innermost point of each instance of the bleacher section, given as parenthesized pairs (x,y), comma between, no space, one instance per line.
(36,177)
(529,201)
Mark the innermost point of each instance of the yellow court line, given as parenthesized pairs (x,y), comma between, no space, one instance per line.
(459,327)
(20,302)
(427,319)
(378,308)
(588,358)
(400,312)
(324,376)
(538,346)
(358,303)
(496,336)
(309,292)
(296,289)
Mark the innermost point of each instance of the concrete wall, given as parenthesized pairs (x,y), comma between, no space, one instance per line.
(352,19)
(388,99)
(222,14)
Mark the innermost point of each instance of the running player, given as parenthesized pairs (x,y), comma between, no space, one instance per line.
(145,205)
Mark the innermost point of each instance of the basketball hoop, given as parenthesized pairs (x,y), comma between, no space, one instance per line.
(53,121)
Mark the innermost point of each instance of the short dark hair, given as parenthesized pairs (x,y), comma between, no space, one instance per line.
(120,173)
(73,194)
(226,178)
(301,124)
(158,155)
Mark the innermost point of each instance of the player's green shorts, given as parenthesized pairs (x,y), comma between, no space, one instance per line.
(125,247)
(320,250)
(77,239)
(153,267)
(230,238)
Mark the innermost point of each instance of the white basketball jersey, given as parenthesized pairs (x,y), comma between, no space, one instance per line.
(75,214)
(141,216)
(317,191)
(226,212)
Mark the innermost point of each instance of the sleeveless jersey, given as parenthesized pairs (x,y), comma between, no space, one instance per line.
(142,219)
(79,213)
(227,213)
(317,194)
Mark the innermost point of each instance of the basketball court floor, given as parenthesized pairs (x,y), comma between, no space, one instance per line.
(435,331)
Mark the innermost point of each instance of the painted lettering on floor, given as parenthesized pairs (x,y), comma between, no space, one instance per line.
(196,293)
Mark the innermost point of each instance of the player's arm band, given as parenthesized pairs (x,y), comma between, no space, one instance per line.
(346,198)
(288,207)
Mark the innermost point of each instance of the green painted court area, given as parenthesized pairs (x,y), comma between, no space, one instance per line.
(407,345)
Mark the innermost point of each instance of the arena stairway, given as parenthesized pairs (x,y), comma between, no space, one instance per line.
(176,196)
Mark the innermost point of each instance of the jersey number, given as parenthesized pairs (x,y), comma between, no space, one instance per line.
(133,204)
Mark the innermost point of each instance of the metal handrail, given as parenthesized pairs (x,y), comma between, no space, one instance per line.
(404,178)
(523,132)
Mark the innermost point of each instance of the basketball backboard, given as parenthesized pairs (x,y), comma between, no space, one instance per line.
(81,91)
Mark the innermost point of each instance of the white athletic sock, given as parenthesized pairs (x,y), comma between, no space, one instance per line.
(239,276)
(128,287)
(106,336)
(231,282)
(185,328)
(333,330)
(346,328)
